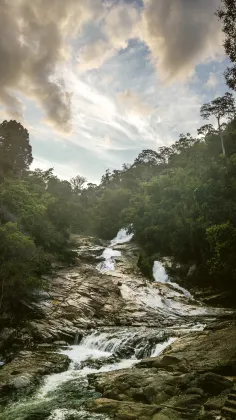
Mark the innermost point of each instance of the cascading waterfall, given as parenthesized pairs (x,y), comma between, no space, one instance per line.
(159,272)
(99,351)
(112,350)
(103,350)
(109,254)
(122,237)
(160,275)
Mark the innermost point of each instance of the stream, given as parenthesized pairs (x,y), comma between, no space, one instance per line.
(64,396)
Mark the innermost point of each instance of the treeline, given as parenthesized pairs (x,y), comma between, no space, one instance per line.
(180,201)
(38,212)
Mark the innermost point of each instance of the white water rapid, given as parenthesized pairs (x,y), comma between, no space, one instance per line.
(143,304)
(106,351)
(99,351)
(109,254)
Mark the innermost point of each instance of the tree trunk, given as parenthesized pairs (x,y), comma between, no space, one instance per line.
(221,138)
(222,142)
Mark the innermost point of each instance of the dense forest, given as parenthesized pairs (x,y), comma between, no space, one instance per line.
(180,201)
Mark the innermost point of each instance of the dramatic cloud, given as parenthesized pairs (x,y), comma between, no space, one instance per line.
(181,34)
(119,25)
(41,41)
(34,40)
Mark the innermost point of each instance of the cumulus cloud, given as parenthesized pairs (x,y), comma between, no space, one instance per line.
(181,34)
(34,41)
(119,25)
(133,103)
(37,38)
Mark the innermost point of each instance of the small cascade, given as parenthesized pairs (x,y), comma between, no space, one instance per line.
(109,254)
(65,395)
(103,351)
(77,338)
(121,343)
(122,237)
(160,275)
(161,346)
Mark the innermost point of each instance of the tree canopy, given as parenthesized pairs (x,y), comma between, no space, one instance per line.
(15,148)
(179,201)
(227,14)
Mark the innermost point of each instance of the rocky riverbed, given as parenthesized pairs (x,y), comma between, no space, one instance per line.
(98,334)
(194,378)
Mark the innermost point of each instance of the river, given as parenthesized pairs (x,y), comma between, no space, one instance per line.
(64,396)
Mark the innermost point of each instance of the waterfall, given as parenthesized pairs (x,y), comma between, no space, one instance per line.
(122,237)
(65,395)
(160,275)
(103,351)
(117,342)
(159,272)
(109,255)
(161,346)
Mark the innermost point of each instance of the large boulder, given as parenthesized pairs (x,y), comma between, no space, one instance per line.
(191,380)
(25,371)
(124,410)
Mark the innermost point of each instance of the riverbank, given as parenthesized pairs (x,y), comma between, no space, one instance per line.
(194,378)
(95,320)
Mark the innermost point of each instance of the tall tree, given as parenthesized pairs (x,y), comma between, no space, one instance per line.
(15,148)
(206,130)
(77,183)
(227,14)
(149,157)
(222,107)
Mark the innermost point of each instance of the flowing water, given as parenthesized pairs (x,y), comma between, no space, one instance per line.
(109,254)
(160,275)
(64,396)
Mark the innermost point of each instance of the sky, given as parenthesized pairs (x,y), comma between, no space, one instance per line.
(97,81)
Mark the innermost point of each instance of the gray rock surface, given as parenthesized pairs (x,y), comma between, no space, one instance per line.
(25,371)
(81,297)
(193,379)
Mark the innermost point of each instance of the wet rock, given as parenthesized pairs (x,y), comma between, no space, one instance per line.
(7,336)
(168,387)
(205,351)
(158,362)
(80,296)
(216,403)
(192,390)
(197,392)
(98,363)
(124,410)
(192,270)
(24,372)
(167,415)
(213,384)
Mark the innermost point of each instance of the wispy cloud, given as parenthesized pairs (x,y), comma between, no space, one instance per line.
(112,77)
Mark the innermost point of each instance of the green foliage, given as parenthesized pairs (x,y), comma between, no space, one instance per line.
(222,241)
(15,149)
(174,204)
(38,211)
(108,210)
(221,107)
(227,14)
(21,265)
